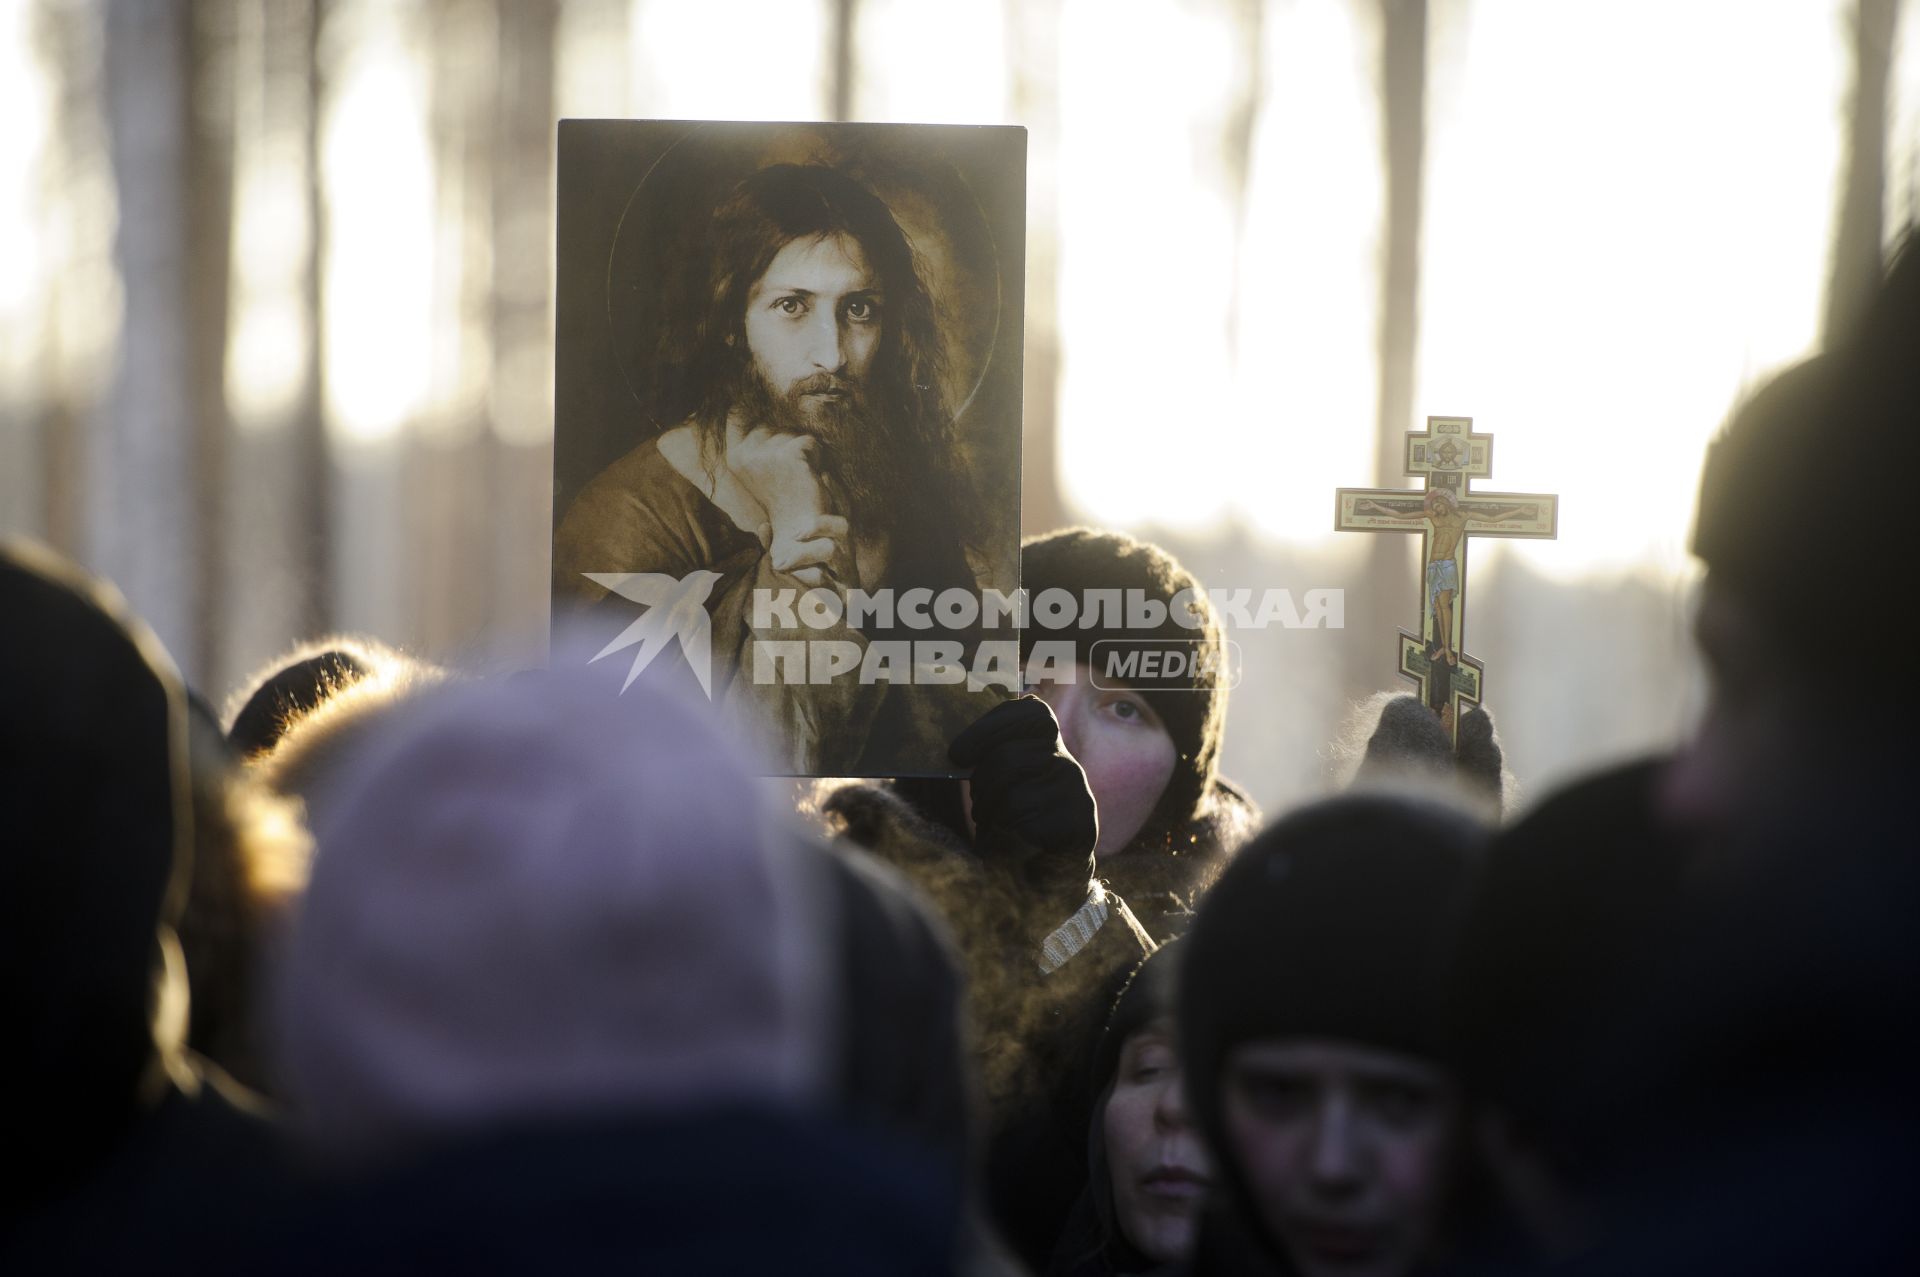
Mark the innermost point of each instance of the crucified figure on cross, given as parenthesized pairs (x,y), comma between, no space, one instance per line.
(1449,524)
(1447,456)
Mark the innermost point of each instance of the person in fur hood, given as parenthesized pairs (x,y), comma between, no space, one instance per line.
(1091,820)
(1166,820)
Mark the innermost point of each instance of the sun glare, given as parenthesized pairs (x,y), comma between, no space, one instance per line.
(1308,304)
(1625,227)
(967,83)
(1191,335)
(24,93)
(267,356)
(1627,224)
(1903,118)
(591,57)
(378,176)
(1146,262)
(696,61)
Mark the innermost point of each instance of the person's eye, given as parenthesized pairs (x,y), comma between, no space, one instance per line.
(1399,1104)
(1149,1063)
(1130,710)
(790,306)
(863,310)
(1276,1097)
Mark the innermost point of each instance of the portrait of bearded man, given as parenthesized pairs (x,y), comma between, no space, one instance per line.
(805,442)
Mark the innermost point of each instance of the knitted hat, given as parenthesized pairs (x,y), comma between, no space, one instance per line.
(541,898)
(1193,704)
(1336,923)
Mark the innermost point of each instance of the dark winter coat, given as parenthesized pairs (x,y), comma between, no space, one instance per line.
(1033,1032)
(116,1152)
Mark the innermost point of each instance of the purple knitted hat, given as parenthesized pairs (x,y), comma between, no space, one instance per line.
(536,898)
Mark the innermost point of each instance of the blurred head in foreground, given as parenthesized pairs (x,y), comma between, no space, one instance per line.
(564,991)
(536,899)
(1576,914)
(1800,524)
(93,778)
(1311,998)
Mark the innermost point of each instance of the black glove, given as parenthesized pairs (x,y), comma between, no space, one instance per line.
(1477,758)
(1033,814)
(1410,740)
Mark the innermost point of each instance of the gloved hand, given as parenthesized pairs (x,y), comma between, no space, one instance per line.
(1033,813)
(1478,760)
(1410,740)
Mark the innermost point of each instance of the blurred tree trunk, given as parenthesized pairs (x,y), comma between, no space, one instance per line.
(210,121)
(74,393)
(1385,597)
(521,318)
(310,504)
(273,554)
(1249,30)
(846,66)
(154,512)
(448,499)
(1033,39)
(1858,232)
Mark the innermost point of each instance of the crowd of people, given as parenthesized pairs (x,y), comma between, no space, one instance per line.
(385,967)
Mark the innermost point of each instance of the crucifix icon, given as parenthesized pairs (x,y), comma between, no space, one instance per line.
(1447,456)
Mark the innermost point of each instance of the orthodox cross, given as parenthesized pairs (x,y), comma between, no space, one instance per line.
(1447,456)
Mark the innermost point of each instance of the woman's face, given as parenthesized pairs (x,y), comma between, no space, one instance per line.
(1345,1149)
(1158,1169)
(1123,747)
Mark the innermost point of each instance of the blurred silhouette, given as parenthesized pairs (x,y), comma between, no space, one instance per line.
(1800,523)
(120,1147)
(1677,995)
(1769,1077)
(564,994)
(1574,913)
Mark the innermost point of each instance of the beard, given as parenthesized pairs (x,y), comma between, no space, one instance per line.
(855,451)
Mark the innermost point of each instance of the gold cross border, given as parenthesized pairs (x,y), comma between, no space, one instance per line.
(1448,455)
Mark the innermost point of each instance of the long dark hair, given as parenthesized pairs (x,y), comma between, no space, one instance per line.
(703,358)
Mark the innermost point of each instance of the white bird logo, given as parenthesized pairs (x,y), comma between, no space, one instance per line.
(675,609)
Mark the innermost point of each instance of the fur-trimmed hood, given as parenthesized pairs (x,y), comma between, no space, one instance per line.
(1161,876)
